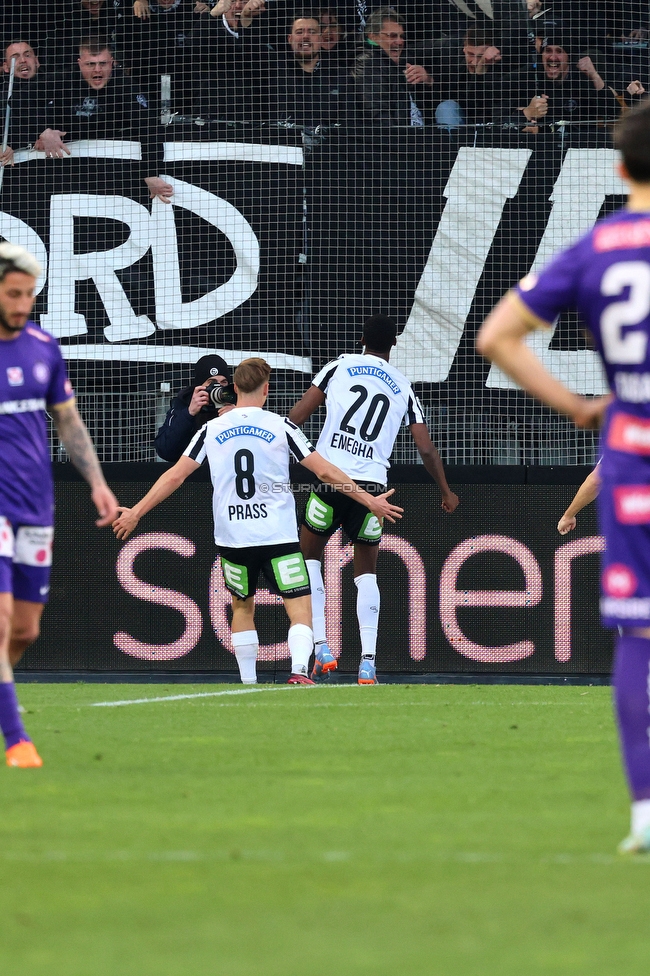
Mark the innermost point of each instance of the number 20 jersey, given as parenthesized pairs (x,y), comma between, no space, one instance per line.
(248,451)
(367,399)
(605,276)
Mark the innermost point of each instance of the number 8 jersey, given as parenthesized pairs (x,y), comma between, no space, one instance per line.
(248,451)
(366,400)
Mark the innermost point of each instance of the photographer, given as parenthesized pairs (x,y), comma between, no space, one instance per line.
(194,406)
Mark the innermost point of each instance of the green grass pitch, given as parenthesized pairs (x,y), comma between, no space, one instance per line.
(329,831)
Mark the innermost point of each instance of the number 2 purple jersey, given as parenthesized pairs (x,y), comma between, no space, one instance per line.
(606,277)
(32,376)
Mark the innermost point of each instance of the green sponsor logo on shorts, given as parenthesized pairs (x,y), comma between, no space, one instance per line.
(290,572)
(236,577)
(371,528)
(318,513)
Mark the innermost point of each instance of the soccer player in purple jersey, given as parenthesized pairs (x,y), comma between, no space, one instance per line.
(32,377)
(606,277)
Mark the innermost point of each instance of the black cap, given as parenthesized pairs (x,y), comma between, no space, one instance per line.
(209,367)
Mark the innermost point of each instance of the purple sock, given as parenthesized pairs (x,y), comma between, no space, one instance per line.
(632,698)
(10,720)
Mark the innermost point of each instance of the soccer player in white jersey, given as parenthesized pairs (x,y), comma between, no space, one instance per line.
(32,377)
(255,525)
(367,399)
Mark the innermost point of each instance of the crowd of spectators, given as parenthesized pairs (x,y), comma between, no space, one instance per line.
(92,68)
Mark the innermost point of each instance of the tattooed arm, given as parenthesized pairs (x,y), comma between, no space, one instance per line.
(76,440)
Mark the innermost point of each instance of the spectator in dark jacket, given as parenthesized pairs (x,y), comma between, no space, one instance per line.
(29,99)
(232,74)
(191,409)
(159,42)
(100,103)
(309,91)
(567,90)
(79,20)
(472,82)
(390,88)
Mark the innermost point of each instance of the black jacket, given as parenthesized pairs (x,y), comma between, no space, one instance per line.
(480,96)
(29,112)
(232,73)
(313,98)
(180,426)
(117,111)
(574,99)
(59,49)
(383,93)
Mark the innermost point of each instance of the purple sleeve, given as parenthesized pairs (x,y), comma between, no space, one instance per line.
(554,289)
(60,388)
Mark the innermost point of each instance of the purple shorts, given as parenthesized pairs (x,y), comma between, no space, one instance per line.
(25,560)
(624,513)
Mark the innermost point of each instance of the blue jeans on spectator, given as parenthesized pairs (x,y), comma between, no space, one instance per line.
(449,115)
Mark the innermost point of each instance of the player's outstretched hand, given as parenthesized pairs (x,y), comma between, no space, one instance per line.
(449,502)
(590,413)
(382,508)
(106,504)
(124,525)
(566,524)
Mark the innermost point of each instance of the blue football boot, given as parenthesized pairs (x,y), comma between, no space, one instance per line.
(324,662)
(367,672)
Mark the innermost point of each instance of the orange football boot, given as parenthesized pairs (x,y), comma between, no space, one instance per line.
(23,755)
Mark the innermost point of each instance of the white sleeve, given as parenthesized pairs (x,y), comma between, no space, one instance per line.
(299,445)
(322,378)
(414,412)
(196,447)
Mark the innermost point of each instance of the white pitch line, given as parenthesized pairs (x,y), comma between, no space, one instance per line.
(201,694)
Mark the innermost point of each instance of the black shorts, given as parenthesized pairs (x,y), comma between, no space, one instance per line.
(327,509)
(283,566)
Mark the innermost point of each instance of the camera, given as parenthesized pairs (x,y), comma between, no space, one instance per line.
(219,395)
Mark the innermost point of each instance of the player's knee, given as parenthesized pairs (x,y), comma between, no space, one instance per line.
(26,633)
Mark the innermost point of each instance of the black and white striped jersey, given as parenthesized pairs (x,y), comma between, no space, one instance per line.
(248,451)
(367,399)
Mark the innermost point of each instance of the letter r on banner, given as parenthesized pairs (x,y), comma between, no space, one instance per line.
(564,557)
(67,267)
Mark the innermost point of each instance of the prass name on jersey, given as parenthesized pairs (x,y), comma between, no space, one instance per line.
(254,511)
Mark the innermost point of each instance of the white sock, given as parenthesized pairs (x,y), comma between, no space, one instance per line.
(317,600)
(301,644)
(246,646)
(640,816)
(367,612)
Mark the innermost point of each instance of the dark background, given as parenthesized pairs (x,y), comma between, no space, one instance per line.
(88,606)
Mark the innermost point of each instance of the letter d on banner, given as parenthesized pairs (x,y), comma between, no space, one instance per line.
(171,311)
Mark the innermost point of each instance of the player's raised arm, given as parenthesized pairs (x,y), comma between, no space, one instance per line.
(75,438)
(433,463)
(377,504)
(163,488)
(502,339)
(311,400)
(585,495)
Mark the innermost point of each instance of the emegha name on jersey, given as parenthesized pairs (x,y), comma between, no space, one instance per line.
(351,445)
